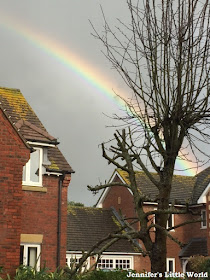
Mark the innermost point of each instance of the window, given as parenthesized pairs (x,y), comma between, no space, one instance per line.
(203,217)
(30,255)
(170,222)
(111,262)
(170,265)
(32,171)
(73,259)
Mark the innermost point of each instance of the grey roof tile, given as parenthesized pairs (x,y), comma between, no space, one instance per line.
(87,225)
(184,188)
(196,246)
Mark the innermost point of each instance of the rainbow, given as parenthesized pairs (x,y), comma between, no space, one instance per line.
(79,66)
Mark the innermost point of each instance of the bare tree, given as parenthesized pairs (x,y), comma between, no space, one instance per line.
(163,56)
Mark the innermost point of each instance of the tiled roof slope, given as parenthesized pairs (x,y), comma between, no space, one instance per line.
(196,246)
(29,126)
(86,226)
(17,107)
(184,188)
(202,181)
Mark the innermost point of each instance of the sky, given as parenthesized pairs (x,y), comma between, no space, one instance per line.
(48,52)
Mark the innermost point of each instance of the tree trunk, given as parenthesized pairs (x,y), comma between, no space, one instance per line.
(158,255)
(159,249)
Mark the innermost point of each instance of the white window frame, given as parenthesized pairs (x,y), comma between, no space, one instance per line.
(202,225)
(28,182)
(167,264)
(77,257)
(114,261)
(172,220)
(154,218)
(25,254)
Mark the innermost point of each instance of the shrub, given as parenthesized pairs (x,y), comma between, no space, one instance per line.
(104,275)
(110,275)
(29,273)
(199,264)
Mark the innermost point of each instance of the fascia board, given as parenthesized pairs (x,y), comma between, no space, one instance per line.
(104,194)
(202,198)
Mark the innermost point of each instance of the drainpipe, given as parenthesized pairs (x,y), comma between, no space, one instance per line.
(60,182)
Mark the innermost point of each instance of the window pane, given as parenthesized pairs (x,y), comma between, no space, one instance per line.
(203,217)
(24,173)
(170,224)
(32,256)
(123,263)
(34,166)
(170,266)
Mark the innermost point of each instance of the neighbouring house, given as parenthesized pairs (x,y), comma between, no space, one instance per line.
(185,189)
(86,227)
(34,177)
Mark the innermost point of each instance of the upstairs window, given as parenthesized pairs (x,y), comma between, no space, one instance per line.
(203,217)
(32,171)
(170,222)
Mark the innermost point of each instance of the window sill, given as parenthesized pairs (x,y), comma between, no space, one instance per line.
(204,227)
(34,189)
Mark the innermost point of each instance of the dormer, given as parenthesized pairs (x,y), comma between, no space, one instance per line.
(45,157)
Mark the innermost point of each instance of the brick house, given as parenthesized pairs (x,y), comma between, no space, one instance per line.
(34,178)
(86,226)
(185,189)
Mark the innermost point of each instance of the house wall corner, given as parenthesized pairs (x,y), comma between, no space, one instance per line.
(13,156)
(208,221)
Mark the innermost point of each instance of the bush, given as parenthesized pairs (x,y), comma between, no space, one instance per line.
(29,273)
(111,275)
(104,275)
(199,264)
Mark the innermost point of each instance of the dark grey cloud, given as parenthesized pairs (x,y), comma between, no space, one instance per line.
(70,107)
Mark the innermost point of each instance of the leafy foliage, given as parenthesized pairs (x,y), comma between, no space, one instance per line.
(29,273)
(200,264)
(74,203)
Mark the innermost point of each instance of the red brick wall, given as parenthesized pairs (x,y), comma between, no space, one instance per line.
(13,156)
(40,216)
(184,233)
(121,199)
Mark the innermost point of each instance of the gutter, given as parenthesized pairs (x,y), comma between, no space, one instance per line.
(58,257)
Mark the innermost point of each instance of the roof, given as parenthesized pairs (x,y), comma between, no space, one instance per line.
(196,246)
(15,128)
(184,188)
(30,127)
(34,133)
(86,226)
(202,181)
